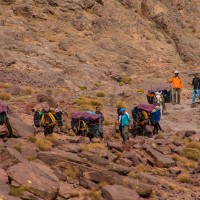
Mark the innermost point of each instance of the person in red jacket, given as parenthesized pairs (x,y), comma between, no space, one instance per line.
(177,85)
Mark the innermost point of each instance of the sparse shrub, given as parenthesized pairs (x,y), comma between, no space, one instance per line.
(87,147)
(87,103)
(74,194)
(125,80)
(97,84)
(83,87)
(190,153)
(159,171)
(19,99)
(27,91)
(195,145)
(120,104)
(96,102)
(71,133)
(71,172)
(107,123)
(44,144)
(101,184)
(184,178)
(63,90)
(81,101)
(5,85)
(32,139)
(93,195)
(17,191)
(100,94)
(17,147)
(142,168)
(131,174)
(5,96)
(52,138)
(185,161)
(176,187)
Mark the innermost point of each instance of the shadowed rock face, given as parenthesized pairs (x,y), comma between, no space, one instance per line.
(70,39)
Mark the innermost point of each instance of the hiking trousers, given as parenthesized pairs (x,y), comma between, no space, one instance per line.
(124,132)
(176,95)
(194,94)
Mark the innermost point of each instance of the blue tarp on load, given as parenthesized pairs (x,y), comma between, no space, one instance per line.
(155,116)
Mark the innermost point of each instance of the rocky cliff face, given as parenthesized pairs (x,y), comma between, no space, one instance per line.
(84,41)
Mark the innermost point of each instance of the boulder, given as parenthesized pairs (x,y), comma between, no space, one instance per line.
(118,192)
(57,156)
(4,188)
(195,137)
(35,178)
(65,189)
(99,161)
(88,184)
(196,170)
(160,159)
(143,189)
(125,162)
(9,157)
(115,145)
(20,128)
(189,133)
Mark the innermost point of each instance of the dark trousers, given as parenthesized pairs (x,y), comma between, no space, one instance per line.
(176,95)
(124,132)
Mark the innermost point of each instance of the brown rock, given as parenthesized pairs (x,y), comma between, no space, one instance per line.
(125,162)
(195,137)
(115,145)
(4,188)
(88,184)
(65,189)
(56,156)
(142,189)
(189,133)
(36,178)
(160,159)
(118,192)
(99,161)
(20,128)
(9,157)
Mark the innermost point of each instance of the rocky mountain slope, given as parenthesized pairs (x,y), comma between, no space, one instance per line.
(96,40)
(87,53)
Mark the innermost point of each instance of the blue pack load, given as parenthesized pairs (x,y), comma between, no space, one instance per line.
(155,115)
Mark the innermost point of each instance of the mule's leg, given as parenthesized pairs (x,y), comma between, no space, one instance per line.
(45,131)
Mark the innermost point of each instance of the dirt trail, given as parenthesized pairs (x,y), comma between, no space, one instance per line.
(182,117)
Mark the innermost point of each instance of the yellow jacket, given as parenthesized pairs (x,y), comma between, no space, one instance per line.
(176,82)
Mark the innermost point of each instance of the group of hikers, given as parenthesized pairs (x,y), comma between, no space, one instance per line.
(91,123)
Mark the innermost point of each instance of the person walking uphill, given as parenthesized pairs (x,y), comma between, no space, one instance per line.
(124,121)
(100,129)
(196,87)
(177,85)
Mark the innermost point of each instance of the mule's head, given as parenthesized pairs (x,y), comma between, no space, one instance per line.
(158,96)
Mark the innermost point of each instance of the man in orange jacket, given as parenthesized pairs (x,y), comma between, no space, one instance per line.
(177,85)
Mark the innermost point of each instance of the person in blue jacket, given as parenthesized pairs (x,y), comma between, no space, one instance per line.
(124,121)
